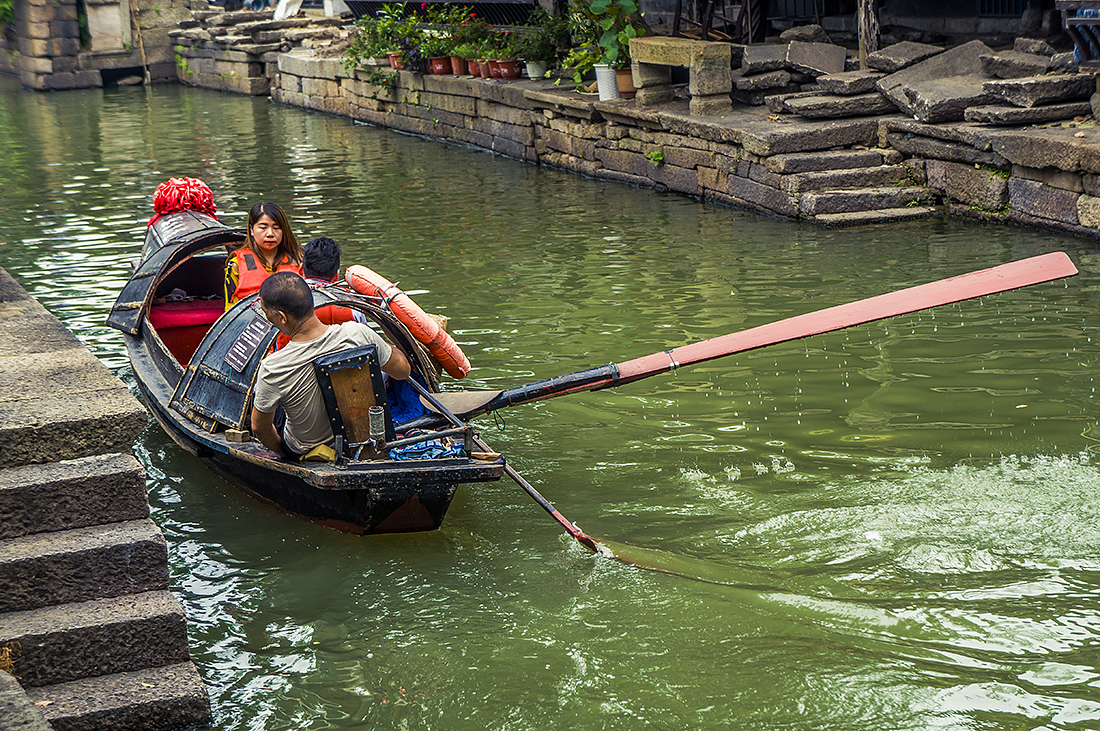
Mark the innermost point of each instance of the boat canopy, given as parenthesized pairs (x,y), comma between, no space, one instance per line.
(168,243)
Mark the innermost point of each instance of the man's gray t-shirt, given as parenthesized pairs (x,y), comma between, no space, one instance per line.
(286,377)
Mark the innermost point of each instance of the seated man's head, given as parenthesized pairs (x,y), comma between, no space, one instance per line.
(321,259)
(286,300)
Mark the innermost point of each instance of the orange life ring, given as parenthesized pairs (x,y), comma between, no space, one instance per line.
(437,340)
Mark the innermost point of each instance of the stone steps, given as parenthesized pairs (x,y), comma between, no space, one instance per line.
(84,607)
(814,204)
(878,176)
(885,215)
(69,642)
(155,699)
(82,564)
(39,498)
(811,162)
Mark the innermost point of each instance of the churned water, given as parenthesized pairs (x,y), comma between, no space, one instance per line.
(888,527)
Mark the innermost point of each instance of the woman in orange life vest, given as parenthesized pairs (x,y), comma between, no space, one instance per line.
(269,247)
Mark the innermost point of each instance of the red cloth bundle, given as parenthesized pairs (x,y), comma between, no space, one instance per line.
(182,194)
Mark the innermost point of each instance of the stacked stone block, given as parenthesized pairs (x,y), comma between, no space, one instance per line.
(239,51)
(48,45)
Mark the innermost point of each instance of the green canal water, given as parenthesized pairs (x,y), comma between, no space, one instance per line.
(889,527)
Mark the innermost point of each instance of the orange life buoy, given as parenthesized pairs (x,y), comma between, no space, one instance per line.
(426,330)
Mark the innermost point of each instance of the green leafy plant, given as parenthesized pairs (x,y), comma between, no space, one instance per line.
(466,50)
(436,44)
(7,11)
(657,157)
(609,25)
(540,39)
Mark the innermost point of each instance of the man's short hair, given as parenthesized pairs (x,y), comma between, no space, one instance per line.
(321,259)
(288,293)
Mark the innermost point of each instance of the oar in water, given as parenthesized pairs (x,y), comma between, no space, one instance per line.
(1022,273)
(570,528)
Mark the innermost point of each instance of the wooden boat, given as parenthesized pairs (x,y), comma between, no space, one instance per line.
(196,366)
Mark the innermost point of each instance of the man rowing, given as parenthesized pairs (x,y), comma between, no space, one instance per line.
(286,378)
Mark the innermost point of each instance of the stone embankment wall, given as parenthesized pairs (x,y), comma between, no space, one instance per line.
(831,171)
(87,624)
(49,52)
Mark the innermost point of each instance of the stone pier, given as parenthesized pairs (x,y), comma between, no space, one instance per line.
(88,627)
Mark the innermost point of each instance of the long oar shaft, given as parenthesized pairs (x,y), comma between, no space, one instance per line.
(1022,273)
(571,529)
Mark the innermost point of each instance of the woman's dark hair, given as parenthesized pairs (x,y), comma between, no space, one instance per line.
(321,259)
(288,293)
(288,246)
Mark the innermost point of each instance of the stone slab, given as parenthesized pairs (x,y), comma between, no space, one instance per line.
(764,57)
(1014,65)
(1051,176)
(867,199)
(964,60)
(762,196)
(944,99)
(930,148)
(882,216)
(777,103)
(1034,46)
(1004,115)
(1074,149)
(831,106)
(167,697)
(73,641)
(93,413)
(901,55)
(850,83)
(766,139)
(879,176)
(1042,201)
(69,494)
(763,81)
(82,564)
(819,161)
(1038,90)
(815,59)
(974,186)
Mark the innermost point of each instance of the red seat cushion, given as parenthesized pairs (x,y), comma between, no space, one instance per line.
(185,314)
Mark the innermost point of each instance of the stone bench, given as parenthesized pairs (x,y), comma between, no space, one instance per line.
(710,78)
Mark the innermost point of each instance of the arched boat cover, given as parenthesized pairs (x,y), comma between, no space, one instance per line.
(168,242)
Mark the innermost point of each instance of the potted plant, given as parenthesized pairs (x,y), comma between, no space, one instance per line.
(460,56)
(610,24)
(436,48)
(508,56)
(538,45)
(372,40)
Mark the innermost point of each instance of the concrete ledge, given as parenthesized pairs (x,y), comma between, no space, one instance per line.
(82,564)
(107,488)
(74,641)
(168,697)
(46,371)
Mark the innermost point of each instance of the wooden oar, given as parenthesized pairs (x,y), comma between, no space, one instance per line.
(570,528)
(1022,273)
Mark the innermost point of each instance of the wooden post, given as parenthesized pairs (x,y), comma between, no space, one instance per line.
(868,31)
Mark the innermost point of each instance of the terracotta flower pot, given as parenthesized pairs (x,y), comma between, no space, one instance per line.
(510,68)
(625,79)
(458,66)
(494,68)
(478,66)
(395,60)
(440,65)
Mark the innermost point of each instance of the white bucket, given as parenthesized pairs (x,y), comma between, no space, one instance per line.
(607,83)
